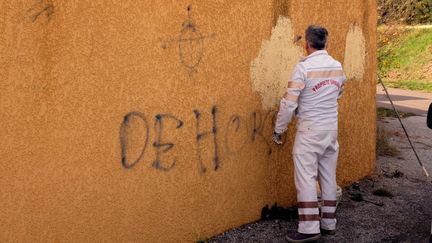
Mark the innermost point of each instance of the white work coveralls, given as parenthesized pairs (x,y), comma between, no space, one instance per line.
(313,92)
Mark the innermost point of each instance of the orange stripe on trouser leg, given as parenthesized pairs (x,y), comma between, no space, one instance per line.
(305,173)
(328,215)
(329,203)
(308,204)
(309,217)
(308,211)
(327,209)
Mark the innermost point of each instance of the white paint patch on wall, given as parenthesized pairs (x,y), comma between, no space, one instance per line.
(355,53)
(271,70)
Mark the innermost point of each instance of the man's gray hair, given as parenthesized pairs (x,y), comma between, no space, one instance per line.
(316,36)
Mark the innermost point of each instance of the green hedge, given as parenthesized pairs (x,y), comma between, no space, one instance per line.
(405,11)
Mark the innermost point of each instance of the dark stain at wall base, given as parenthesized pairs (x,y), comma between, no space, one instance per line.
(276,212)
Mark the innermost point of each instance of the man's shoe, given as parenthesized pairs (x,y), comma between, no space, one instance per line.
(297,237)
(327,232)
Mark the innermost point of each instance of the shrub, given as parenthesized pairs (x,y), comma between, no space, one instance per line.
(405,11)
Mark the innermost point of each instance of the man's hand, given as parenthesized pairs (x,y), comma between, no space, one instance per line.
(277,138)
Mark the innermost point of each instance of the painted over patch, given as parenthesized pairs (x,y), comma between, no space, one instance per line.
(271,70)
(355,53)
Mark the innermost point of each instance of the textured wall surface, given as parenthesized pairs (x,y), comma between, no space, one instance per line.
(150,121)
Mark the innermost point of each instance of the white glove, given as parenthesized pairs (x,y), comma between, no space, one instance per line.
(277,138)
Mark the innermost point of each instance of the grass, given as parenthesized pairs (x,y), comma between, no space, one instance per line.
(383,147)
(413,48)
(411,85)
(405,57)
(384,112)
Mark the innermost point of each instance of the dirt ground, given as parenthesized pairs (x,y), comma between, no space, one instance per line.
(402,212)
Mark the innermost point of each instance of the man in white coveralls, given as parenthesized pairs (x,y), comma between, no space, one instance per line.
(312,94)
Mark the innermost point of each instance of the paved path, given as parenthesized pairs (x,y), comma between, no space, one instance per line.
(405,100)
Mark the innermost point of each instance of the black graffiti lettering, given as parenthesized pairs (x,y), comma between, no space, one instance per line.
(159,145)
(233,127)
(201,135)
(124,138)
(134,138)
(257,129)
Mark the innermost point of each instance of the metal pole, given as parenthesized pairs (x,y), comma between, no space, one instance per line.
(403,127)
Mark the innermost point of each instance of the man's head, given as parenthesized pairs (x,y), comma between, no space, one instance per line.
(316,39)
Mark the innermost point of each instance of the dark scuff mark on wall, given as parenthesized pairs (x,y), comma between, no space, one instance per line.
(280,8)
(365,14)
(41,7)
(365,25)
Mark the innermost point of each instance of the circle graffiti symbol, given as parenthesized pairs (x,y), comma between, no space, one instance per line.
(190,44)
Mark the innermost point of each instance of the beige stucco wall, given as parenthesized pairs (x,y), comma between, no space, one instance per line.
(145,121)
